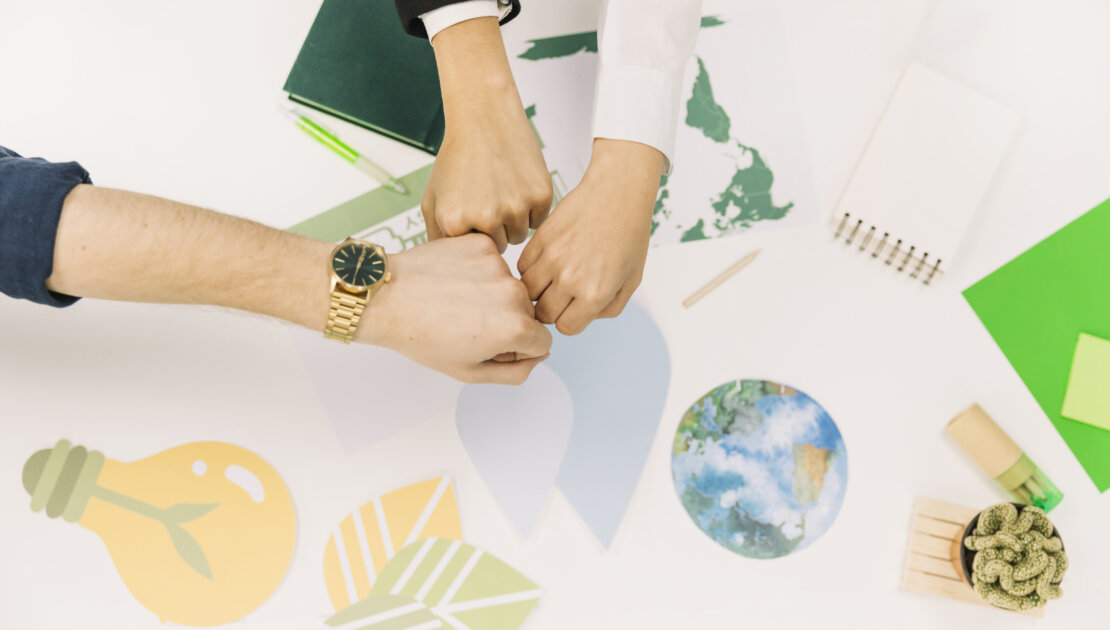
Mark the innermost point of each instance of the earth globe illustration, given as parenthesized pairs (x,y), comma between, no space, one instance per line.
(760,467)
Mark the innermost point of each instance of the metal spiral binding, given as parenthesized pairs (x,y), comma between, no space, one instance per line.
(905,260)
(893,252)
(897,253)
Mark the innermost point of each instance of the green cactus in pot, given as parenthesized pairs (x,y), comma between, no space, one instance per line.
(1019,559)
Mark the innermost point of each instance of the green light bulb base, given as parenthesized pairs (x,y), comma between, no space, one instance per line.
(61,480)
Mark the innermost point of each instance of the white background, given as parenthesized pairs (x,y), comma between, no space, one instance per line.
(177,99)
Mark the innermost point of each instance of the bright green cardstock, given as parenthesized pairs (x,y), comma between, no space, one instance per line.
(1036,306)
(1088,396)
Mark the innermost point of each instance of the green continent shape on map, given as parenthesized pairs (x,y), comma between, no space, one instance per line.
(695,502)
(567,45)
(751,391)
(691,432)
(659,210)
(810,465)
(736,413)
(749,189)
(761,540)
(562,46)
(750,192)
(704,112)
(696,233)
(739,418)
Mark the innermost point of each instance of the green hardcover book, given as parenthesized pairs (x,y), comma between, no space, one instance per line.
(357,63)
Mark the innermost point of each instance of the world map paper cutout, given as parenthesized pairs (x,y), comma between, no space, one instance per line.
(517,438)
(367,539)
(441,583)
(752,170)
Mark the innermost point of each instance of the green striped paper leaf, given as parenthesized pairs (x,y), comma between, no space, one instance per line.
(386,612)
(444,582)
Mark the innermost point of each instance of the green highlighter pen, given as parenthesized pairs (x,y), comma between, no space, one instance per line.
(1002,459)
(331,141)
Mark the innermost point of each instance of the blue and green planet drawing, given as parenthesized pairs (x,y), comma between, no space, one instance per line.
(760,467)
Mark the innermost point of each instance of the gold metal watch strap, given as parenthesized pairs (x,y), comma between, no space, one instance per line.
(346,312)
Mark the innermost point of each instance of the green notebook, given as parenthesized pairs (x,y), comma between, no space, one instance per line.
(1037,305)
(358,64)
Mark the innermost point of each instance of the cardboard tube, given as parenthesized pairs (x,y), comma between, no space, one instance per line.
(984,440)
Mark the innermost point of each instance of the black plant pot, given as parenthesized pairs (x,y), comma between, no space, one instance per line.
(967,556)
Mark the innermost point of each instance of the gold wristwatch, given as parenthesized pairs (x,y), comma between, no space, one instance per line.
(358,270)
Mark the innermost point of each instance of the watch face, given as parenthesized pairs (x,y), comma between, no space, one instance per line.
(358,265)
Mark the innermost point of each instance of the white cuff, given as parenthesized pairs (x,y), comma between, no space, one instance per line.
(438,19)
(638,104)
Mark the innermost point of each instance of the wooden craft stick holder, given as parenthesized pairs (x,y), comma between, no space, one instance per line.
(933,553)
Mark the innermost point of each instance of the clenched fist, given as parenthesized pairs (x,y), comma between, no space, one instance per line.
(454,306)
(490,174)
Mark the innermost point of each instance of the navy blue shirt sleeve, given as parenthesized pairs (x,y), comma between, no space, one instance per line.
(32,191)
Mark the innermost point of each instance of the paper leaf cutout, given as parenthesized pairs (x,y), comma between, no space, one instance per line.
(387,612)
(460,584)
(617,372)
(517,460)
(366,540)
(189,550)
(399,403)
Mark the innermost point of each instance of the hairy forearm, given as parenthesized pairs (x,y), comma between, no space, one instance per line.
(451,305)
(120,245)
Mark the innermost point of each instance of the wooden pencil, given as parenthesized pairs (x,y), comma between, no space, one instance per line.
(720,279)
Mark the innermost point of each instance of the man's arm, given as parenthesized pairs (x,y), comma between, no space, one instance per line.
(586,261)
(118,245)
(452,306)
(32,192)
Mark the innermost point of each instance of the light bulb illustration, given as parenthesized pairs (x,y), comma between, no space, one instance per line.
(202,534)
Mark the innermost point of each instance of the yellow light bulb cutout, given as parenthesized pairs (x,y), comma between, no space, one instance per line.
(202,534)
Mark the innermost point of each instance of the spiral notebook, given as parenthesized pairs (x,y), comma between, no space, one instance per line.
(923,174)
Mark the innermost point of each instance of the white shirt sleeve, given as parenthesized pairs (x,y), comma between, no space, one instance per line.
(451,14)
(643,47)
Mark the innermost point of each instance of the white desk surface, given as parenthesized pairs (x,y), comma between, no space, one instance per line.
(178,99)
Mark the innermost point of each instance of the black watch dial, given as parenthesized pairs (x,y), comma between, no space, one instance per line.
(358,265)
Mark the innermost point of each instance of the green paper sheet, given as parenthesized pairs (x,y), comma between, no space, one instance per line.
(1036,306)
(1088,396)
(354,217)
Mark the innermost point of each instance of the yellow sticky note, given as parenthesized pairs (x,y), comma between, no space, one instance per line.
(1088,396)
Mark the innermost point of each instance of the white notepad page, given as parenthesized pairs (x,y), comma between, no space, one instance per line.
(924,173)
